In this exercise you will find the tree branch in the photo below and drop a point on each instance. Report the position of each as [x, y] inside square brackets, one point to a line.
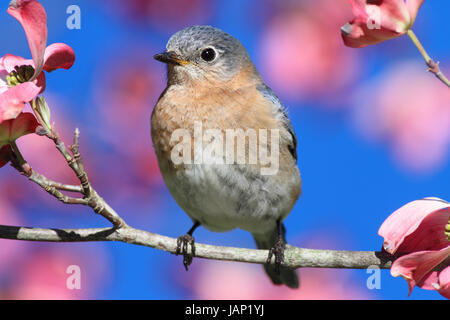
[73, 158]
[295, 257]
[51, 187]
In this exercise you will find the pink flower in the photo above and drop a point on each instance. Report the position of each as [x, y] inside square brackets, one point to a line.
[13, 129]
[416, 232]
[5, 152]
[21, 80]
[379, 20]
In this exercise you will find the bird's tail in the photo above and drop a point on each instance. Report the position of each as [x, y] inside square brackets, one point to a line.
[286, 276]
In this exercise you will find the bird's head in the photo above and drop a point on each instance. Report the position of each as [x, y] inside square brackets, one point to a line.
[204, 53]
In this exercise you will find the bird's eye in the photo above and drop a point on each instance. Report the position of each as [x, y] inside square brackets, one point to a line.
[208, 54]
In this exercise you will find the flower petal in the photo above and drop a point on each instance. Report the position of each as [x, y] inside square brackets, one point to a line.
[358, 35]
[437, 280]
[359, 9]
[406, 220]
[10, 62]
[4, 155]
[3, 75]
[13, 100]
[413, 7]
[429, 235]
[2, 65]
[377, 21]
[58, 55]
[13, 129]
[444, 282]
[393, 15]
[430, 281]
[33, 18]
[40, 82]
[414, 267]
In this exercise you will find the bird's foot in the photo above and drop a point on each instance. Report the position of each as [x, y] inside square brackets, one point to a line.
[182, 248]
[278, 251]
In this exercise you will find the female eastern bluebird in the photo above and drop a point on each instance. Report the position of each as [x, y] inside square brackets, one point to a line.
[213, 83]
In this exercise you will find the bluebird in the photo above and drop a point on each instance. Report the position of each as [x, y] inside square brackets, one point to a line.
[212, 81]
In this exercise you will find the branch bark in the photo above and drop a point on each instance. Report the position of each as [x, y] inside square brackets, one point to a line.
[295, 257]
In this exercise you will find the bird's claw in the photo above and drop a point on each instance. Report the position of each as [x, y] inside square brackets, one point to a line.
[278, 251]
[182, 248]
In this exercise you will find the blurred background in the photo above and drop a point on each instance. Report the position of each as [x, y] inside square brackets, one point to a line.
[373, 129]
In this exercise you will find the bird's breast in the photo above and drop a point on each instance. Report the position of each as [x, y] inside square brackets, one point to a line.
[189, 133]
[181, 111]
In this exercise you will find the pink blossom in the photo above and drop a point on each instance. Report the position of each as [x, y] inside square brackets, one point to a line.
[377, 21]
[5, 152]
[21, 80]
[416, 232]
[13, 129]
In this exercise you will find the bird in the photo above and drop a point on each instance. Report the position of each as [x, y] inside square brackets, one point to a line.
[213, 87]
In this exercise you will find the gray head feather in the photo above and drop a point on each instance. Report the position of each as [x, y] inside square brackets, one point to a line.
[230, 53]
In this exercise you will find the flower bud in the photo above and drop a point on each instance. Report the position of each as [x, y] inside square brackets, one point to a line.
[43, 112]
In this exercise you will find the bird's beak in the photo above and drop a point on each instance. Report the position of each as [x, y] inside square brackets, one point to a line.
[170, 57]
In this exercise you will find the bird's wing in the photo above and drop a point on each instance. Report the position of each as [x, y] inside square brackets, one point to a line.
[269, 94]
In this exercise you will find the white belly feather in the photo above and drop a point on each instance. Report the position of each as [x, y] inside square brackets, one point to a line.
[223, 197]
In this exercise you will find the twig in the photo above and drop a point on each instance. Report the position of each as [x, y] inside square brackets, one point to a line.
[433, 67]
[294, 257]
[81, 173]
[90, 196]
[49, 186]
[24, 168]
[64, 187]
[93, 200]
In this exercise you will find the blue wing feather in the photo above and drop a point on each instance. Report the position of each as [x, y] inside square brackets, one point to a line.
[269, 94]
